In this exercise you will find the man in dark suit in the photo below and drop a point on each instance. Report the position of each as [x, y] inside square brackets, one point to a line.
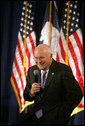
[53, 103]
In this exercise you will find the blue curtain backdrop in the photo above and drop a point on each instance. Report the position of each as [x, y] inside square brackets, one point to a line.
[9, 30]
[10, 20]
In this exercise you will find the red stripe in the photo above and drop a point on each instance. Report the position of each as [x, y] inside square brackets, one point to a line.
[32, 43]
[57, 58]
[21, 56]
[78, 42]
[19, 72]
[27, 49]
[78, 74]
[20, 51]
[28, 55]
[16, 85]
[62, 49]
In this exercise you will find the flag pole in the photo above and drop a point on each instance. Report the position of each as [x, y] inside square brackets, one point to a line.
[67, 34]
[50, 27]
[24, 58]
[77, 109]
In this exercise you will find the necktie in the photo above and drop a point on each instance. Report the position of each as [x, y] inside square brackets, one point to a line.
[43, 79]
[39, 113]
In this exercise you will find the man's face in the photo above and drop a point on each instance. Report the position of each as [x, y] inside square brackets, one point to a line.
[42, 59]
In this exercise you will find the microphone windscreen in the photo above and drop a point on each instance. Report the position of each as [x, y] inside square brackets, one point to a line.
[36, 72]
[36, 76]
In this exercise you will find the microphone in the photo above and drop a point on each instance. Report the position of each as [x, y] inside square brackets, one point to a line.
[36, 76]
[37, 80]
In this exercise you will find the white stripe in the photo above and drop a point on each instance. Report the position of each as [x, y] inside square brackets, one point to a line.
[63, 39]
[77, 52]
[34, 37]
[54, 40]
[63, 44]
[72, 65]
[29, 46]
[17, 80]
[20, 64]
[16, 75]
[60, 57]
[21, 69]
[26, 64]
[80, 36]
[69, 55]
[19, 59]
[21, 42]
[22, 49]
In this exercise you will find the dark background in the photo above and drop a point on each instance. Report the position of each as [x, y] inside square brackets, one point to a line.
[10, 19]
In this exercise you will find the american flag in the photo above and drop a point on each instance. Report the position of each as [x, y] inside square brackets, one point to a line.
[24, 53]
[50, 30]
[70, 48]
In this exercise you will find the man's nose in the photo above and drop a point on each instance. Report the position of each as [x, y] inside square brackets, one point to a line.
[38, 60]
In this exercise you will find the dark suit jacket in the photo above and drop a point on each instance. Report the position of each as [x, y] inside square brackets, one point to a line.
[61, 94]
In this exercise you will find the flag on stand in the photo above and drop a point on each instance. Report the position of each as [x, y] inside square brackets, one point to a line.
[70, 48]
[24, 53]
[50, 31]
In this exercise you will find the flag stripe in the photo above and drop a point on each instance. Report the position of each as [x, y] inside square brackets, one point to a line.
[78, 73]
[19, 67]
[75, 62]
[19, 55]
[71, 64]
[16, 75]
[57, 58]
[19, 71]
[20, 51]
[76, 36]
[75, 43]
[31, 47]
[62, 49]
[18, 78]
[32, 42]
[18, 81]
[76, 49]
[28, 56]
[16, 89]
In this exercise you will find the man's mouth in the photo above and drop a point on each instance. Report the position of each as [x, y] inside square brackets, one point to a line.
[41, 64]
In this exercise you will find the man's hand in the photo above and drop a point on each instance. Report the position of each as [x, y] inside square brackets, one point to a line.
[35, 88]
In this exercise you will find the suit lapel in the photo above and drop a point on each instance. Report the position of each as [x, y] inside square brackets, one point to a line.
[49, 78]
[51, 74]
